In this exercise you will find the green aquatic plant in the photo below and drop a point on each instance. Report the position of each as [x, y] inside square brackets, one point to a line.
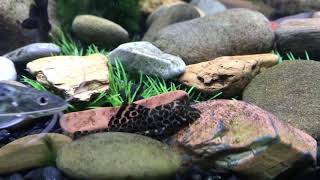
[124, 12]
[71, 47]
[291, 57]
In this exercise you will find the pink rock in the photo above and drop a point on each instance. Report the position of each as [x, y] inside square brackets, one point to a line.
[244, 138]
[274, 25]
[99, 118]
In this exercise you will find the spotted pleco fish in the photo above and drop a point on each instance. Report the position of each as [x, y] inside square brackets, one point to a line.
[160, 122]
[18, 104]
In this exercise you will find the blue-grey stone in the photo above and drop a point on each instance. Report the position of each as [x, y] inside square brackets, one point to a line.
[7, 70]
[146, 58]
[33, 51]
[47, 173]
[209, 7]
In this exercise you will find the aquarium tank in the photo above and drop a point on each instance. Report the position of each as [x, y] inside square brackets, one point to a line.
[159, 89]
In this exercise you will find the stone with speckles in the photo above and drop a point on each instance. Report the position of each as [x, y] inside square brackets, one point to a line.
[242, 137]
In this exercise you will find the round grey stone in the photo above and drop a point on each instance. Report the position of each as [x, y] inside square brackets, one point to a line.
[147, 59]
[117, 156]
[231, 32]
[291, 92]
[99, 31]
[170, 15]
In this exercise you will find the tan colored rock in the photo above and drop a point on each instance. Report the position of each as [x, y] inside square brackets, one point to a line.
[29, 152]
[229, 74]
[99, 118]
[148, 6]
[244, 138]
[80, 77]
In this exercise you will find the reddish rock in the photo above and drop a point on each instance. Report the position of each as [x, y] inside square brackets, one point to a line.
[274, 25]
[244, 138]
[99, 118]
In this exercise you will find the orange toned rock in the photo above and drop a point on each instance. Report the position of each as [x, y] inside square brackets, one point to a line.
[228, 74]
[99, 118]
[241, 137]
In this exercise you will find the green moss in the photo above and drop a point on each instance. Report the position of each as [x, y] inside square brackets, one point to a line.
[124, 12]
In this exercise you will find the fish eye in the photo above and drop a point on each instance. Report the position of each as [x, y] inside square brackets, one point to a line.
[42, 101]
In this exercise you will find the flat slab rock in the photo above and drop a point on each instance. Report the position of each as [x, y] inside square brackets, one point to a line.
[76, 76]
[99, 118]
[244, 138]
[228, 74]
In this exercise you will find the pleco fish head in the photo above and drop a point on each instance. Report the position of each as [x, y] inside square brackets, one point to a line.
[23, 101]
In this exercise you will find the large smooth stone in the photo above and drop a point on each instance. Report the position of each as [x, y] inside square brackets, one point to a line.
[7, 70]
[229, 74]
[117, 156]
[100, 31]
[222, 34]
[99, 118]
[12, 14]
[30, 152]
[33, 51]
[146, 58]
[299, 36]
[244, 138]
[169, 15]
[76, 76]
[291, 92]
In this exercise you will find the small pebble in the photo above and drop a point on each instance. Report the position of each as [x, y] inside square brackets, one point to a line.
[47, 173]
[7, 70]
[15, 176]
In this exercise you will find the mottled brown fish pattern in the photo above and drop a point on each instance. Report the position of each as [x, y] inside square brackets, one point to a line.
[160, 122]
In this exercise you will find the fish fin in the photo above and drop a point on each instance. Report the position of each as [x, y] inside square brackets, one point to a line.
[30, 23]
[6, 122]
[42, 7]
[34, 11]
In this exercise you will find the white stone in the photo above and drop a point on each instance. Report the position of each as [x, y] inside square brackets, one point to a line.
[146, 58]
[7, 70]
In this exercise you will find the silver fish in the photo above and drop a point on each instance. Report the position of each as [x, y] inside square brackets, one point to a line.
[18, 104]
